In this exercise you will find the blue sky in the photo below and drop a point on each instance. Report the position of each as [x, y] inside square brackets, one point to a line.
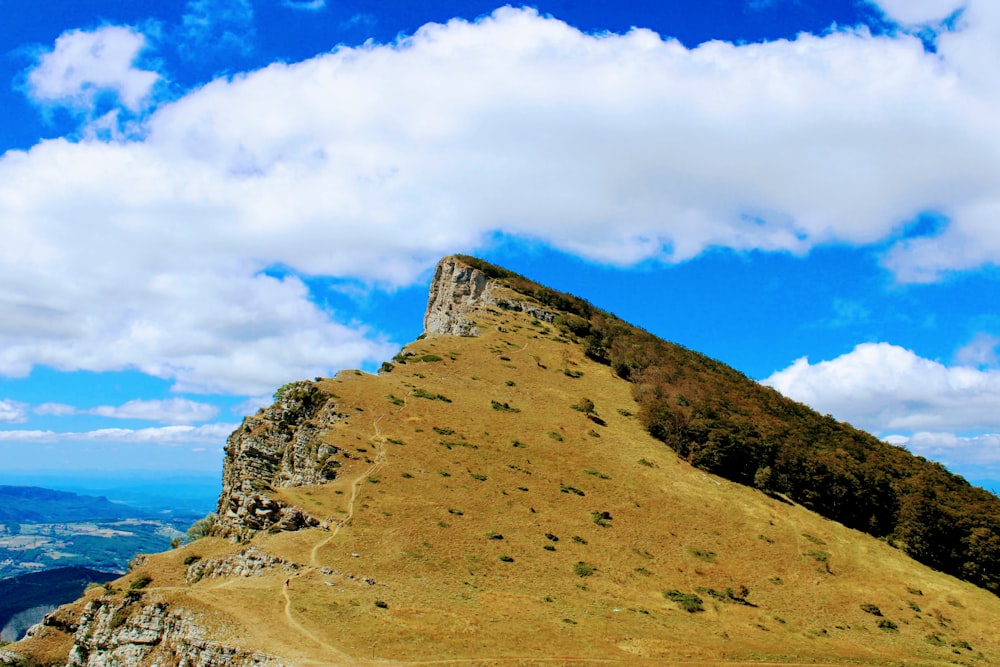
[203, 200]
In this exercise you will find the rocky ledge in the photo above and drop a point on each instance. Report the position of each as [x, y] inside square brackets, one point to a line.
[279, 447]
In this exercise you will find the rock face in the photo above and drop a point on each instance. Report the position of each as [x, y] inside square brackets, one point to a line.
[278, 447]
[130, 633]
[458, 289]
[248, 563]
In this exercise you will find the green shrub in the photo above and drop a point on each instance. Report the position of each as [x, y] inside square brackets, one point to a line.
[395, 400]
[689, 602]
[506, 559]
[548, 547]
[476, 476]
[140, 582]
[503, 407]
[579, 540]
[565, 488]
[602, 519]
[430, 358]
[555, 436]
[202, 527]
[702, 554]
[191, 559]
[381, 604]
[518, 443]
[887, 625]
[494, 536]
[584, 569]
[869, 608]
[594, 473]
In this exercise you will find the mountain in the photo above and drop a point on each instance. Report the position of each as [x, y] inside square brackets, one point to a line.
[44, 529]
[31, 504]
[24, 600]
[534, 481]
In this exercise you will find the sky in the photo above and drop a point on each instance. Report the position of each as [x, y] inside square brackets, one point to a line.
[203, 200]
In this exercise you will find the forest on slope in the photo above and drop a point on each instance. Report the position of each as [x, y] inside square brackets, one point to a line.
[725, 423]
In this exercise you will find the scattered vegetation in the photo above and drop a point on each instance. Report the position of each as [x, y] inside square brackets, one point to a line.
[869, 608]
[725, 423]
[565, 488]
[423, 393]
[503, 407]
[702, 554]
[584, 569]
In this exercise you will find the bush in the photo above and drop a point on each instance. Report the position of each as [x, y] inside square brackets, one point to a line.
[140, 582]
[871, 609]
[689, 602]
[888, 626]
[506, 559]
[202, 527]
[584, 569]
[191, 559]
[602, 519]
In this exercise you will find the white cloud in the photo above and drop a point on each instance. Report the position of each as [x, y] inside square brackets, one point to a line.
[85, 64]
[12, 412]
[212, 434]
[371, 163]
[305, 5]
[914, 12]
[55, 410]
[217, 26]
[976, 456]
[171, 411]
[980, 351]
[885, 388]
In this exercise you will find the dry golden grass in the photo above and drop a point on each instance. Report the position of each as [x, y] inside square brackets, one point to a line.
[471, 514]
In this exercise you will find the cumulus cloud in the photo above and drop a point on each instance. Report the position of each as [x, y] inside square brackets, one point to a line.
[980, 351]
[370, 163]
[973, 456]
[914, 12]
[85, 64]
[211, 434]
[885, 388]
[12, 412]
[171, 411]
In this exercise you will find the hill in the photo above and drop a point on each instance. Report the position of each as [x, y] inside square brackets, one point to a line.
[24, 600]
[535, 482]
[32, 504]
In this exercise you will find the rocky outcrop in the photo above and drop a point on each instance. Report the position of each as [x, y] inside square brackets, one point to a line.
[455, 291]
[128, 632]
[458, 290]
[248, 563]
[278, 447]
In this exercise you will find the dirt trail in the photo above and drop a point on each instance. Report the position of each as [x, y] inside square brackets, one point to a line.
[340, 655]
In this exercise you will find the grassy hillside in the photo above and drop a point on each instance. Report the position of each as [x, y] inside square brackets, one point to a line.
[722, 422]
[502, 502]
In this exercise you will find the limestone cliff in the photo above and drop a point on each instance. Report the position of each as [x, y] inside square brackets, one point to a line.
[278, 447]
[130, 632]
[459, 289]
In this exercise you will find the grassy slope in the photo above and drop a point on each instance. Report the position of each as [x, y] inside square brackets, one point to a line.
[420, 520]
